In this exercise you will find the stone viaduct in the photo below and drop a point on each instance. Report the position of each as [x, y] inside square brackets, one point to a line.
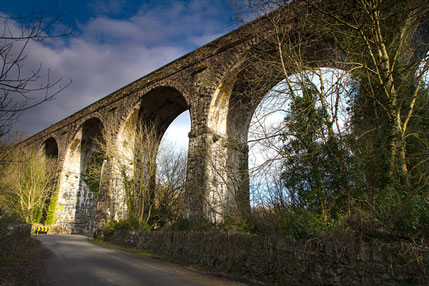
[209, 83]
[201, 82]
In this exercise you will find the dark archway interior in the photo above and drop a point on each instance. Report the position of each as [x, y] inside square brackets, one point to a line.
[87, 190]
[91, 137]
[160, 107]
[51, 148]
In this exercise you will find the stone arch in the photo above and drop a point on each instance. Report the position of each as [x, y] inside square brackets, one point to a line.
[50, 148]
[228, 120]
[161, 106]
[76, 201]
[158, 108]
[206, 192]
[50, 154]
[229, 117]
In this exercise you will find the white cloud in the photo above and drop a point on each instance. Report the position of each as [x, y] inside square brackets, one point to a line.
[103, 28]
[177, 133]
[108, 53]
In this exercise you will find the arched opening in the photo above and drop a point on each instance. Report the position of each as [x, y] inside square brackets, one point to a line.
[50, 148]
[50, 154]
[143, 196]
[80, 179]
[230, 113]
[297, 136]
[265, 95]
[171, 167]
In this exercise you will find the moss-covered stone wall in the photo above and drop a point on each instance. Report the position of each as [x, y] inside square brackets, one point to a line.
[324, 260]
[13, 237]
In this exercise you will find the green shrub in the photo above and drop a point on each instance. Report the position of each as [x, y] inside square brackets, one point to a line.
[52, 208]
[127, 224]
[401, 213]
[198, 223]
[299, 223]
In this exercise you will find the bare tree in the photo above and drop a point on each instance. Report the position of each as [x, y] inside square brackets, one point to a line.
[26, 184]
[146, 179]
[170, 184]
[23, 87]
[356, 134]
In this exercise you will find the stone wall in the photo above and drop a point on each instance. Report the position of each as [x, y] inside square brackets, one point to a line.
[328, 260]
[13, 238]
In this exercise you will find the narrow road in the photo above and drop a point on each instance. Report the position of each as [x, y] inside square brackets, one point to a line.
[79, 262]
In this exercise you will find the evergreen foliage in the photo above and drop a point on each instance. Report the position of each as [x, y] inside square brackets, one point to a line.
[370, 168]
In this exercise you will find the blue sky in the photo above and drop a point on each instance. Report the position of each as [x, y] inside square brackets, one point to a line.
[113, 43]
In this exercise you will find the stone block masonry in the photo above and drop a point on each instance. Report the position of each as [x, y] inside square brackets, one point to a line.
[191, 83]
[326, 260]
[13, 237]
[212, 83]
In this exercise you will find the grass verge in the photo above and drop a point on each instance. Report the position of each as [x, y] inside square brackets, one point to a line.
[165, 258]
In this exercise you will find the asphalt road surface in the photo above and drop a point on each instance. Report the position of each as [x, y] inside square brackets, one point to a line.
[75, 261]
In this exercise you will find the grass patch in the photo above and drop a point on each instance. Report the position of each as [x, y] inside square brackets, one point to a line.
[168, 258]
[147, 254]
[164, 258]
[192, 268]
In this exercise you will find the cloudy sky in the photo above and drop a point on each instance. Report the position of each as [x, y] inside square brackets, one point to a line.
[113, 43]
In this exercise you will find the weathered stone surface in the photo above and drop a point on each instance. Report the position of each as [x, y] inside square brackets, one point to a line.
[208, 83]
[193, 82]
[14, 237]
[329, 260]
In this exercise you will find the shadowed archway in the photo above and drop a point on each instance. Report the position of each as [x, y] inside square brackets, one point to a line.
[137, 143]
[77, 199]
